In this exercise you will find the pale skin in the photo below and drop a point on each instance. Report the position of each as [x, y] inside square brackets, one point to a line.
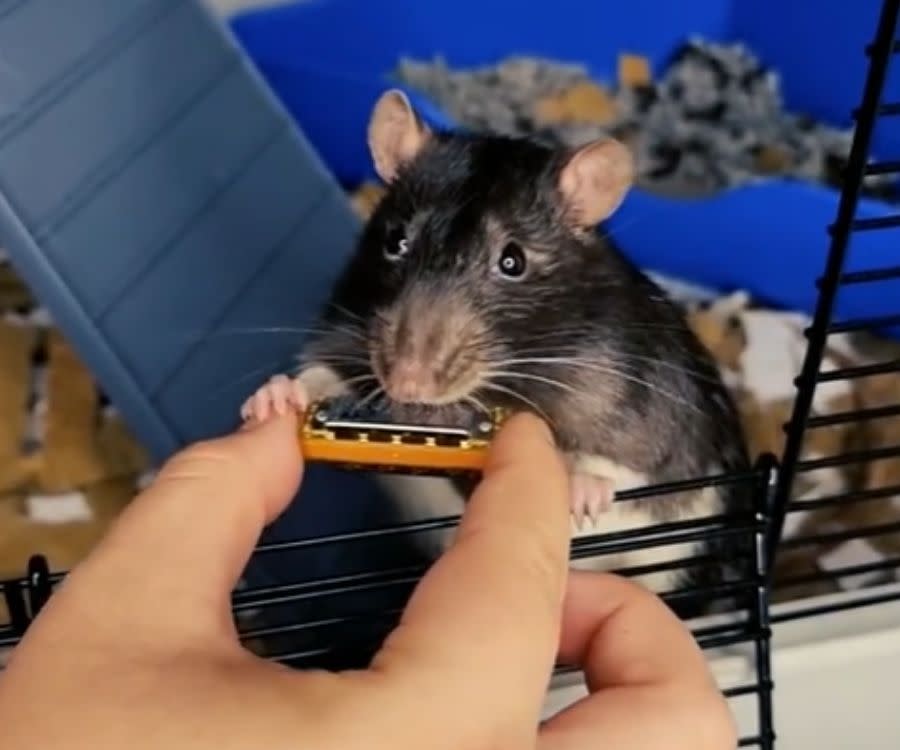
[138, 649]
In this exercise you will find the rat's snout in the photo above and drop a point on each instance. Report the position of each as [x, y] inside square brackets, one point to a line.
[427, 349]
[411, 380]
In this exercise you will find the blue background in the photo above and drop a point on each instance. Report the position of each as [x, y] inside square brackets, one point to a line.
[329, 61]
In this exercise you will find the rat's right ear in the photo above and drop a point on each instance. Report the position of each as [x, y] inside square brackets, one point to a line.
[595, 180]
[396, 134]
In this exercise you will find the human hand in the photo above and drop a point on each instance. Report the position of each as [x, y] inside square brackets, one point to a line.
[138, 648]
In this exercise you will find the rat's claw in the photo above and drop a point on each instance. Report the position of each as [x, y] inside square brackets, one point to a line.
[576, 500]
[300, 397]
[600, 497]
[280, 392]
[580, 500]
[590, 497]
[261, 404]
[278, 395]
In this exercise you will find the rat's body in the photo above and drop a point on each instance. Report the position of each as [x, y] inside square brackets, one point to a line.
[479, 280]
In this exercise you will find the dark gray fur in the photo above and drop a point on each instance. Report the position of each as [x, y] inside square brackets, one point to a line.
[652, 400]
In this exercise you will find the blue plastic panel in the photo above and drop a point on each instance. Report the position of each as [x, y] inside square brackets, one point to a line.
[769, 238]
[328, 64]
[171, 216]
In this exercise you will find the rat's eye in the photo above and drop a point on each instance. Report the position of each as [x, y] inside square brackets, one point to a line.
[396, 246]
[512, 261]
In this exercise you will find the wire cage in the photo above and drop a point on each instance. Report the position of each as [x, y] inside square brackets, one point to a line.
[871, 114]
[339, 621]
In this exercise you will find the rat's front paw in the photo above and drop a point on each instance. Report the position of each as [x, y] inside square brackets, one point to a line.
[589, 497]
[276, 397]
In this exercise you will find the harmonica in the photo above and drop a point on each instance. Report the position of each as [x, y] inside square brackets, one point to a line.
[340, 432]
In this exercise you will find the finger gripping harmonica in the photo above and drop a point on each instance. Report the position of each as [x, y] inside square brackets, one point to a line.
[339, 432]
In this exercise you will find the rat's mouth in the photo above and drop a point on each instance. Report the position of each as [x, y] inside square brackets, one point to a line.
[412, 381]
[458, 412]
[426, 389]
[428, 350]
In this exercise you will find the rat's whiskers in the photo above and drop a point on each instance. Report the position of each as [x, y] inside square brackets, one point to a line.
[491, 385]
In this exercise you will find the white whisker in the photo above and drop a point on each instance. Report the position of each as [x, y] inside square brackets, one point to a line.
[237, 381]
[355, 333]
[359, 379]
[326, 358]
[616, 373]
[588, 363]
[477, 404]
[372, 396]
[676, 368]
[490, 385]
[536, 378]
[349, 313]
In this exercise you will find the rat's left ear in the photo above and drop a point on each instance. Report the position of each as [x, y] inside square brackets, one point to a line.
[595, 180]
[396, 134]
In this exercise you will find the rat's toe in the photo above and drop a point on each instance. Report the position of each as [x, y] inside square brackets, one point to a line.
[590, 497]
[280, 392]
[600, 494]
[299, 395]
[249, 409]
[578, 499]
[261, 403]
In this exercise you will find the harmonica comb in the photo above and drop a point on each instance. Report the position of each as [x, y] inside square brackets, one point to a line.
[339, 431]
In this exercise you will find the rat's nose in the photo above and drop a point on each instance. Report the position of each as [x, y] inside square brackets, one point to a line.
[410, 381]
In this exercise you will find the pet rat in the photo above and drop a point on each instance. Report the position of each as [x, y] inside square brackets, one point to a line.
[480, 280]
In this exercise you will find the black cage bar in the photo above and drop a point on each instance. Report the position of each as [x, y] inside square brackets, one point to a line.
[870, 113]
[339, 620]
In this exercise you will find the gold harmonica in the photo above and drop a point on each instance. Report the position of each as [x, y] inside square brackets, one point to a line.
[338, 432]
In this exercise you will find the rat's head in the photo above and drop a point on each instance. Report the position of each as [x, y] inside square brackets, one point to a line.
[479, 248]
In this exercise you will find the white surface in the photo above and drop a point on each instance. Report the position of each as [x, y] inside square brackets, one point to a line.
[851, 553]
[835, 679]
[67, 507]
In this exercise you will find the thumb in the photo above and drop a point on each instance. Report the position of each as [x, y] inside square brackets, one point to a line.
[172, 558]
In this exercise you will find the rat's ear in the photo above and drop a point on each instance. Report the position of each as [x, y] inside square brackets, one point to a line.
[396, 134]
[595, 180]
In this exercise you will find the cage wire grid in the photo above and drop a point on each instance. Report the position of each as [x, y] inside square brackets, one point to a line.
[339, 621]
[871, 112]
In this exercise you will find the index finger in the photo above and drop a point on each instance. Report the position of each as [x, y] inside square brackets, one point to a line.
[491, 604]
[186, 539]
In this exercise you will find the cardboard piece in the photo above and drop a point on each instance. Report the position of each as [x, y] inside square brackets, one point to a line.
[635, 71]
[583, 103]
